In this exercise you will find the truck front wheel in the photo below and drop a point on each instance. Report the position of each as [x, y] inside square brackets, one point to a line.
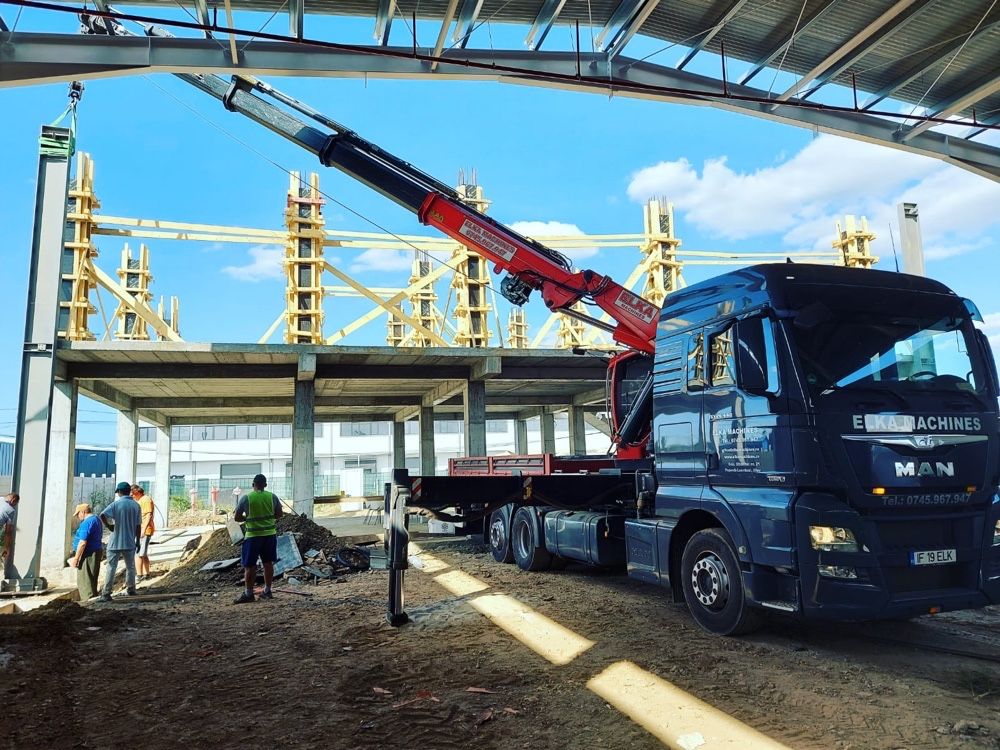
[713, 585]
[499, 536]
[529, 550]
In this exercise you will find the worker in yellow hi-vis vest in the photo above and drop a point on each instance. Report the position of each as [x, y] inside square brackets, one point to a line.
[260, 510]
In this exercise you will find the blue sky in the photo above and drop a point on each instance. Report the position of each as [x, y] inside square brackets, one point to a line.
[583, 160]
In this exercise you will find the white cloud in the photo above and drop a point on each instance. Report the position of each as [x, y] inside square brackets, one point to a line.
[265, 263]
[801, 199]
[991, 327]
[539, 230]
[383, 260]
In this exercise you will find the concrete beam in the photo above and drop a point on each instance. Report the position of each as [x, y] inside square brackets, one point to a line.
[597, 423]
[304, 448]
[486, 368]
[439, 394]
[595, 396]
[209, 403]
[105, 394]
[307, 367]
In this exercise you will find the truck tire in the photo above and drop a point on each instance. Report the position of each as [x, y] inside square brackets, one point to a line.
[529, 551]
[498, 535]
[713, 585]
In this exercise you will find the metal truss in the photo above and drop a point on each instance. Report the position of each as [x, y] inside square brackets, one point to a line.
[33, 58]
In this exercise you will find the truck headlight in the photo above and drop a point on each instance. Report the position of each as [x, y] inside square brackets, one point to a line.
[832, 539]
[996, 533]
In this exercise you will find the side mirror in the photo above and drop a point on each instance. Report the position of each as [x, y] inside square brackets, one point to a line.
[973, 311]
[756, 360]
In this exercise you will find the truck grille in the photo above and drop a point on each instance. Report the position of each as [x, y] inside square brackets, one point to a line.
[926, 578]
[941, 533]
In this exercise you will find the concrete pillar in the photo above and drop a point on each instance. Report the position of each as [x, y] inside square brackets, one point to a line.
[58, 525]
[428, 461]
[475, 418]
[303, 447]
[125, 447]
[398, 445]
[577, 431]
[38, 355]
[910, 240]
[521, 436]
[548, 420]
[161, 478]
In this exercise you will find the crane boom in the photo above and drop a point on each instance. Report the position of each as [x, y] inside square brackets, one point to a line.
[529, 264]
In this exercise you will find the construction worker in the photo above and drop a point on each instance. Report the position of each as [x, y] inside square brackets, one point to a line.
[146, 532]
[88, 550]
[260, 510]
[122, 518]
[8, 512]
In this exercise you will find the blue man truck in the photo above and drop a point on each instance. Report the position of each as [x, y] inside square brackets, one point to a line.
[811, 440]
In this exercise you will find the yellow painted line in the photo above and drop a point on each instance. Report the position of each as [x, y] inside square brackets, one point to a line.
[673, 716]
[545, 637]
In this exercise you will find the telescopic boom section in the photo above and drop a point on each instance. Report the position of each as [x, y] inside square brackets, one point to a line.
[530, 265]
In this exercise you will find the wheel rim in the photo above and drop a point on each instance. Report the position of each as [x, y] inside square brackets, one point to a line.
[524, 540]
[498, 536]
[710, 581]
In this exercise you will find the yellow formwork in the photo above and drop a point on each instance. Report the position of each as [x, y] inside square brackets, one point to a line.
[854, 243]
[304, 261]
[81, 217]
[517, 329]
[471, 281]
[134, 275]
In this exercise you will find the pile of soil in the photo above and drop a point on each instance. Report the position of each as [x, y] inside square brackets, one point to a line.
[216, 545]
[196, 518]
[309, 534]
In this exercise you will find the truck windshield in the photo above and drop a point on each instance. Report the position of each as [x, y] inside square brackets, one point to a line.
[907, 355]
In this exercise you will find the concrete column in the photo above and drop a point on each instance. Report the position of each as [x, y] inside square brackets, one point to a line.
[428, 461]
[521, 436]
[548, 421]
[577, 431]
[126, 444]
[31, 439]
[161, 478]
[910, 239]
[303, 447]
[57, 529]
[399, 445]
[475, 418]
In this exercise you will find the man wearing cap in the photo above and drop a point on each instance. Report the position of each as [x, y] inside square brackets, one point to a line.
[88, 551]
[122, 518]
[261, 510]
[8, 514]
[148, 529]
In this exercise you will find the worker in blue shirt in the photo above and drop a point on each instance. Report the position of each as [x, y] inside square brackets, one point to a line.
[88, 551]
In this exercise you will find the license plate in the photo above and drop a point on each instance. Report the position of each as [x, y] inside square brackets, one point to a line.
[933, 557]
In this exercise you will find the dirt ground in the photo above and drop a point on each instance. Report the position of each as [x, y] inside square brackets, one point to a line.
[326, 670]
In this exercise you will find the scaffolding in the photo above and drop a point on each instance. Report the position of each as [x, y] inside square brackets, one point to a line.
[663, 270]
[134, 277]
[75, 311]
[517, 328]
[471, 282]
[304, 262]
[854, 243]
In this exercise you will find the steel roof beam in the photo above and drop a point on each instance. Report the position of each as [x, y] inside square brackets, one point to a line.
[726, 17]
[449, 14]
[466, 22]
[3, 25]
[383, 20]
[973, 132]
[856, 40]
[626, 9]
[30, 59]
[901, 22]
[296, 16]
[978, 91]
[546, 17]
[944, 55]
[801, 29]
[626, 33]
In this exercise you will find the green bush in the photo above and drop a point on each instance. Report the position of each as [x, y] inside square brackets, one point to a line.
[99, 500]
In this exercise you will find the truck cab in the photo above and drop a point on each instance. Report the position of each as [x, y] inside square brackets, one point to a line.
[824, 444]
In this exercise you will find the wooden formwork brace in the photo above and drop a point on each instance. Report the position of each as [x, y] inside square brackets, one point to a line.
[173, 321]
[80, 217]
[304, 262]
[134, 276]
[662, 269]
[854, 243]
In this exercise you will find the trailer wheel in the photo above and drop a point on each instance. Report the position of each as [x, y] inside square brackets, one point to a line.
[529, 550]
[713, 585]
[499, 536]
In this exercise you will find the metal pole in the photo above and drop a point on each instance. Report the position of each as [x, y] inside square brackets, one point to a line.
[397, 493]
